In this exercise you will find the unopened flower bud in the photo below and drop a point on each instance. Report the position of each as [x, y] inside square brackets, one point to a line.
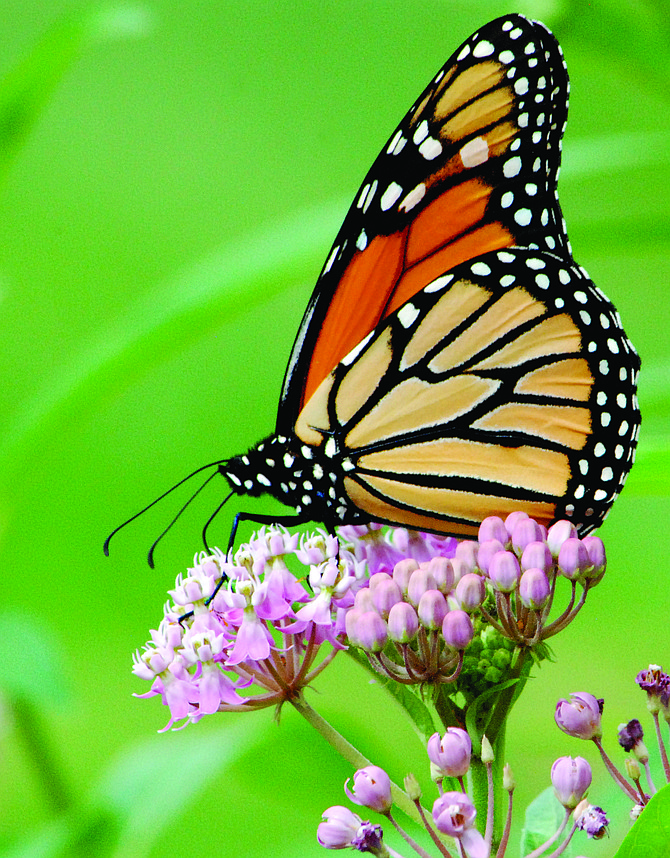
[368, 630]
[525, 531]
[573, 559]
[454, 814]
[457, 629]
[412, 787]
[470, 592]
[534, 589]
[487, 550]
[536, 555]
[558, 533]
[509, 784]
[596, 551]
[443, 572]
[403, 623]
[493, 527]
[580, 716]
[632, 768]
[467, 552]
[432, 609]
[487, 755]
[402, 572]
[385, 594]
[420, 581]
[512, 520]
[571, 778]
[504, 571]
[372, 789]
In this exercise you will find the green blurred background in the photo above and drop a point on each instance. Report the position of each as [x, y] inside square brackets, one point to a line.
[162, 221]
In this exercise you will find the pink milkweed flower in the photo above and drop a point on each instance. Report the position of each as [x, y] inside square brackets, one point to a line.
[580, 716]
[454, 814]
[450, 754]
[372, 789]
[339, 827]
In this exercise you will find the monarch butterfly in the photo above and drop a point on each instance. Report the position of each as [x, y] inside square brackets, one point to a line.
[454, 361]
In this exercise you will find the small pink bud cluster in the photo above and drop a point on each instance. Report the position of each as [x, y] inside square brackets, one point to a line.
[408, 609]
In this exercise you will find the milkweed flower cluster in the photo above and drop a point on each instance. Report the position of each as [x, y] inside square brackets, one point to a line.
[248, 630]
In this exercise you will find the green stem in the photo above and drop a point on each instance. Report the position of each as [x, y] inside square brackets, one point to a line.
[350, 753]
[479, 787]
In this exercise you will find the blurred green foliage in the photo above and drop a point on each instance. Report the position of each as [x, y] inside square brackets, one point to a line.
[167, 201]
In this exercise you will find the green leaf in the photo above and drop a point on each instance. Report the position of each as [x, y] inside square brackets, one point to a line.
[651, 833]
[543, 818]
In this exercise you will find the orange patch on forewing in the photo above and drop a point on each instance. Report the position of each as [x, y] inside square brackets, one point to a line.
[487, 110]
[473, 82]
[314, 416]
[450, 507]
[512, 309]
[357, 305]
[568, 379]
[553, 336]
[564, 424]
[363, 376]
[458, 303]
[415, 404]
[491, 236]
[447, 217]
[524, 467]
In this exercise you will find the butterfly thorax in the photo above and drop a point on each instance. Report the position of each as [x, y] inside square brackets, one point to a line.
[296, 474]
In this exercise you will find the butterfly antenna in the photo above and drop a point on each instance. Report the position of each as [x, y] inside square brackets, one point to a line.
[160, 498]
[211, 519]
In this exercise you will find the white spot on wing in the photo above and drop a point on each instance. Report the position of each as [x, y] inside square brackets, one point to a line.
[353, 354]
[413, 197]
[407, 315]
[474, 152]
[390, 196]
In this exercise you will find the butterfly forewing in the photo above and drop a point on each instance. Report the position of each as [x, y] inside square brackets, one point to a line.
[506, 384]
[471, 168]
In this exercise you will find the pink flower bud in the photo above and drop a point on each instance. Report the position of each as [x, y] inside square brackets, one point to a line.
[512, 520]
[370, 631]
[443, 572]
[486, 552]
[403, 623]
[339, 827]
[596, 551]
[467, 552]
[536, 555]
[573, 559]
[580, 716]
[385, 594]
[558, 533]
[432, 609]
[526, 530]
[470, 592]
[571, 777]
[363, 600]
[457, 629]
[421, 579]
[450, 755]
[372, 789]
[534, 588]
[504, 571]
[402, 572]
[492, 527]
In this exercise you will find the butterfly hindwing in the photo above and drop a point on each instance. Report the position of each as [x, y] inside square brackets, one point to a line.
[506, 383]
[471, 168]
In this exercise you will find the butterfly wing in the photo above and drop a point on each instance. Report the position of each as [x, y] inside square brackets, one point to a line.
[507, 383]
[471, 168]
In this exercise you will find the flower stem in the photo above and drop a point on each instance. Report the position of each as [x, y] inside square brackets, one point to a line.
[349, 752]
